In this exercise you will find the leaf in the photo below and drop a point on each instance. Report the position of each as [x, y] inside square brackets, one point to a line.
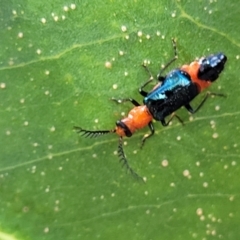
[60, 65]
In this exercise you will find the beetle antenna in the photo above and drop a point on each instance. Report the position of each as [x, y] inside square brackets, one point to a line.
[123, 159]
[91, 134]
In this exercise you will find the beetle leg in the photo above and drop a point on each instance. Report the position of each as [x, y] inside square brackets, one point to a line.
[150, 125]
[141, 91]
[159, 76]
[164, 123]
[134, 102]
[191, 110]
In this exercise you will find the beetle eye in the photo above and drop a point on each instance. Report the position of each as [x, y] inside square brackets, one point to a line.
[124, 127]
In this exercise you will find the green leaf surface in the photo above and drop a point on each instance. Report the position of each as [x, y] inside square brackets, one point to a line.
[60, 63]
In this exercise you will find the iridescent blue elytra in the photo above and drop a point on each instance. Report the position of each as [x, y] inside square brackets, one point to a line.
[173, 80]
[176, 90]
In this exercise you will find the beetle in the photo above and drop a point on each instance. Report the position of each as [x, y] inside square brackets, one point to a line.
[173, 91]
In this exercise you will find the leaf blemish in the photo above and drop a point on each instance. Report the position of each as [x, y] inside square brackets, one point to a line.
[73, 6]
[178, 138]
[165, 163]
[215, 135]
[43, 20]
[199, 211]
[47, 72]
[123, 28]
[186, 173]
[38, 51]
[108, 64]
[20, 35]
[205, 184]
[8, 132]
[2, 85]
[65, 8]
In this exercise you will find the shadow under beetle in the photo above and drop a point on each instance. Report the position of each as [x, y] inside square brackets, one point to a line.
[173, 91]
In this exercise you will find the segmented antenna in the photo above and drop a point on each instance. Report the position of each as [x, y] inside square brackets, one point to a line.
[91, 134]
[123, 159]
